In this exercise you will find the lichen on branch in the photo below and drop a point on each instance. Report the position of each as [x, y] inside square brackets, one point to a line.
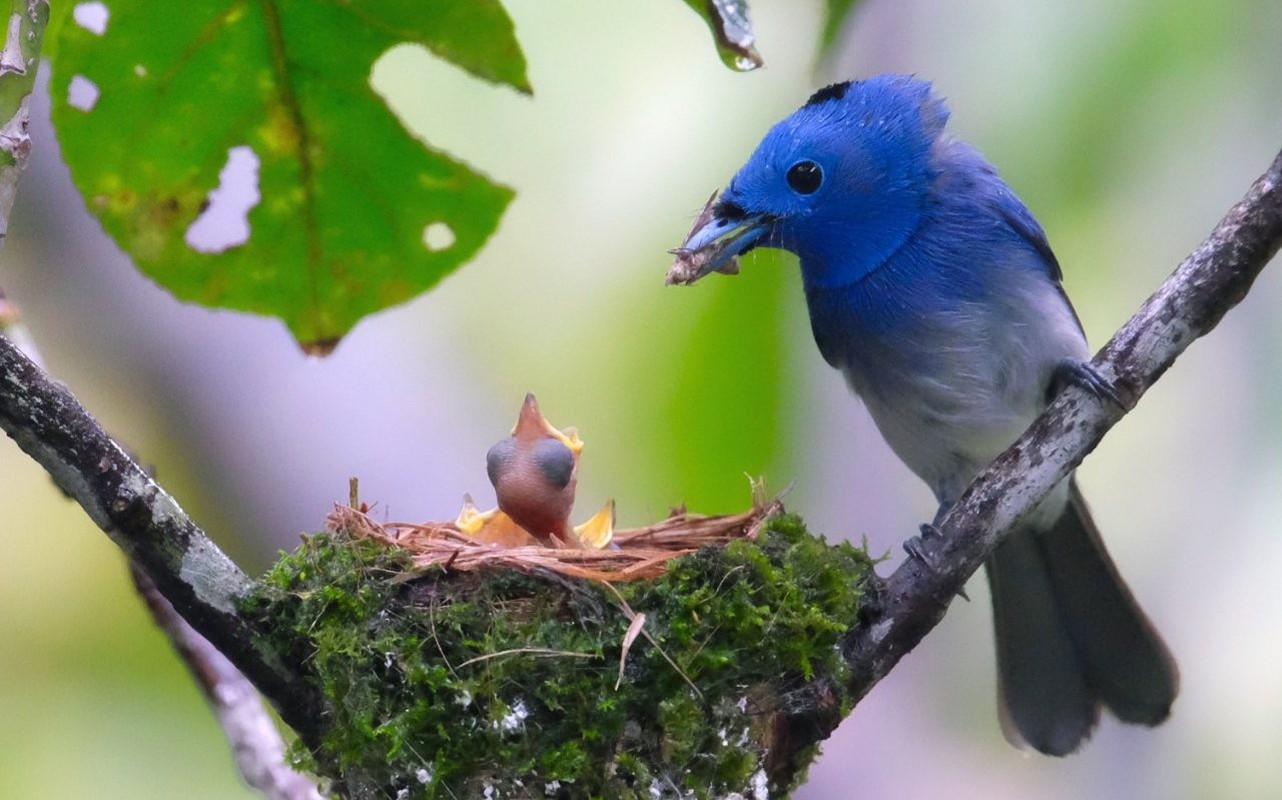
[23, 34]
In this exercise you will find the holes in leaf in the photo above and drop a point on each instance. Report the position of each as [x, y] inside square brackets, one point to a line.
[140, 70]
[82, 93]
[92, 17]
[224, 221]
[438, 236]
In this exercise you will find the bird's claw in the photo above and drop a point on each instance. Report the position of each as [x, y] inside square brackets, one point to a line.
[1086, 376]
[915, 546]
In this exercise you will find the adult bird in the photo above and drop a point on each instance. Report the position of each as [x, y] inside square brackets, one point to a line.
[932, 288]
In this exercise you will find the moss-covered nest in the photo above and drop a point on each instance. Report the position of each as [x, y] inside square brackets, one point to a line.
[500, 683]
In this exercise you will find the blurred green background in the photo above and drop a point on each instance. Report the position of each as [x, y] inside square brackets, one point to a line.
[1128, 128]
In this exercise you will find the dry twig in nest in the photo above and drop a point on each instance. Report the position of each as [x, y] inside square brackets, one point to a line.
[641, 553]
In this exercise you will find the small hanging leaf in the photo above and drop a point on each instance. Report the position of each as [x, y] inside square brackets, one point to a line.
[634, 630]
[835, 16]
[732, 31]
[257, 120]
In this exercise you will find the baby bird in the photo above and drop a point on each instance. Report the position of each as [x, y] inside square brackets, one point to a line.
[534, 472]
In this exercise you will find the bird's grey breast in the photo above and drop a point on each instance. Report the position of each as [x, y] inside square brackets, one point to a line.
[950, 381]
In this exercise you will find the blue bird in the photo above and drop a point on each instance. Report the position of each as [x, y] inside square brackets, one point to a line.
[932, 288]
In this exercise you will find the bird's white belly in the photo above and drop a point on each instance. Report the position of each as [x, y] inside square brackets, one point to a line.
[955, 391]
[944, 440]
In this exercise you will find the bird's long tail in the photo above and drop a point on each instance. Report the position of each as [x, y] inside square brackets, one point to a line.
[1070, 637]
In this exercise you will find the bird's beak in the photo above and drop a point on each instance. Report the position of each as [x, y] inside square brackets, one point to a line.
[715, 242]
[531, 424]
[471, 519]
[597, 532]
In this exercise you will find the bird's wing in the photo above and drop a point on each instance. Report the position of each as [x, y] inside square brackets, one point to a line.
[1015, 214]
[1021, 221]
[970, 173]
[1012, 211]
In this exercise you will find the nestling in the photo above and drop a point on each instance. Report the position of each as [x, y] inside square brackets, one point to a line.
[535, 471]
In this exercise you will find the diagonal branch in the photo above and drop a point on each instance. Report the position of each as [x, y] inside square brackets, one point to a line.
[161, 541]
[1210, 281]
[256, 744]
[203, 584]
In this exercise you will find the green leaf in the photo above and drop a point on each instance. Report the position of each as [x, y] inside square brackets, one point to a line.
[346, 193]
[835, 15]
[731, 30]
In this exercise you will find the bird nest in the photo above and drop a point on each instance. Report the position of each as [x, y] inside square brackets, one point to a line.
[635, 554]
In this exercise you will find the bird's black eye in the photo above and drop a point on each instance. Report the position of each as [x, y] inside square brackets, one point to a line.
[805, 177]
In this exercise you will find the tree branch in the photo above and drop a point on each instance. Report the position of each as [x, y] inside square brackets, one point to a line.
[24, 33]
[203, 584]
[49, 425]
[256, 744]
[1210, 281]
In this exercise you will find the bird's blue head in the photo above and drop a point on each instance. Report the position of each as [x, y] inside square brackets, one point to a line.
[842, 183]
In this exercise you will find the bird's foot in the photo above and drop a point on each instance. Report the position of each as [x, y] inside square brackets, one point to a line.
[915, 547]
[1084, 375]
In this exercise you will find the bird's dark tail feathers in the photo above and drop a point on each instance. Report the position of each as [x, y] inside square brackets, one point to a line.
[1070, 637]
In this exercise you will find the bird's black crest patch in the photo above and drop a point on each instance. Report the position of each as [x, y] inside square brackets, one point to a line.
[835, 91]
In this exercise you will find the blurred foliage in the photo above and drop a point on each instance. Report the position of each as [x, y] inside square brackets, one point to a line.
[1170, 42]
[838, 11]
[731, 30]
[347, 194]
[725, 412]
[736, 42]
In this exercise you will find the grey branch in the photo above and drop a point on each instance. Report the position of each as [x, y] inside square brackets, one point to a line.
[203, 584]
[24, 33]
[1210, 281]
[50, 425]
[256, 744]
